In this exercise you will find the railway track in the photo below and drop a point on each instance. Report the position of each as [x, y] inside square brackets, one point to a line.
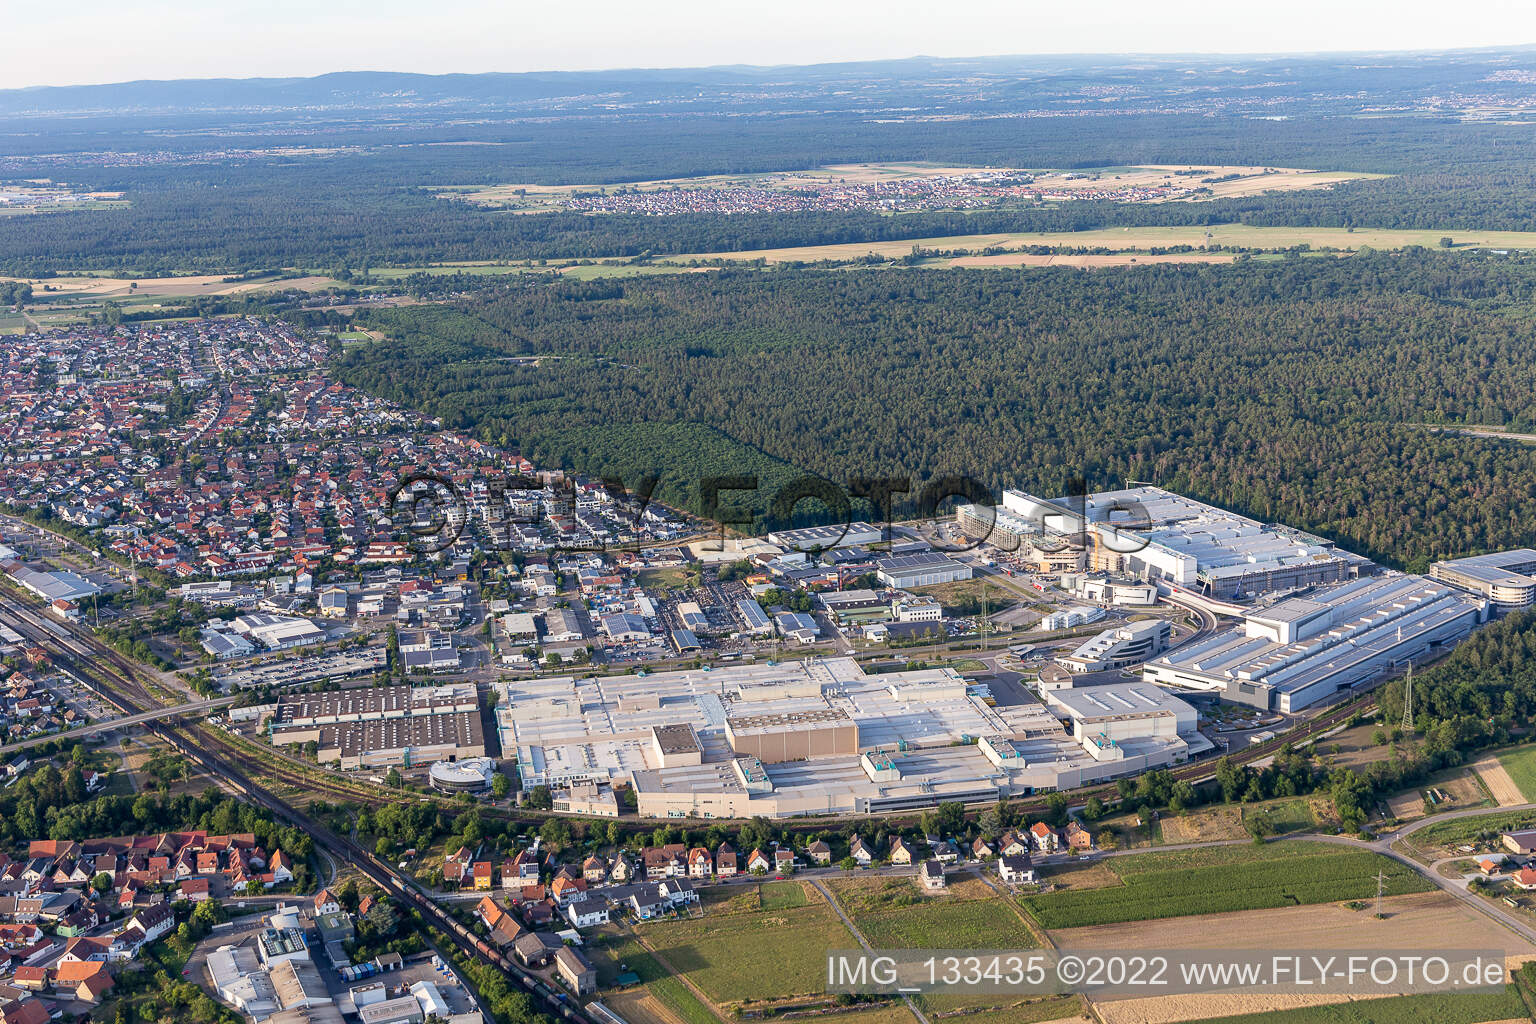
[85, 658]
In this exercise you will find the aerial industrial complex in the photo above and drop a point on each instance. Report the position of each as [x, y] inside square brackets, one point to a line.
[821, 736]
[1314, 619]
[382, 726]
[1505, 578]
[1153, 534]
[1299, 651]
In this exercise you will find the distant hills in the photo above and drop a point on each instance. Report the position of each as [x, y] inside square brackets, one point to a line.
[693, 88]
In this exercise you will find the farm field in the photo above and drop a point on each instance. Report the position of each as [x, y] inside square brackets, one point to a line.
[1459, 788]
[92, 287]
[1320, 927]
[1421, 1009]
[1027, 1010]
[942, 923]
[1520, 769]
[1317, 926]
[767, 955]
[1223, 879]
[661, 998]
[1239, 235]
[1321, 1009]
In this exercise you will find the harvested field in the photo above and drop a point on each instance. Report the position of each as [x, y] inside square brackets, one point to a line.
[1318, 926]
[1321, 926]
[1203, 826]
[206, 284]
[1096, 875]
[638, 1006]
[1520, 765]
[1434, 1008]
[1130, 239]
[1498, 780]
[1117, 259]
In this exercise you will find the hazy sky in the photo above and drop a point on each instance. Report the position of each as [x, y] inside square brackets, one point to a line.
[89, 41]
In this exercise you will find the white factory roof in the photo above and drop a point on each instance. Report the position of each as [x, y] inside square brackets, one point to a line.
[1112, 700]
[599, 727]
[1368, 617]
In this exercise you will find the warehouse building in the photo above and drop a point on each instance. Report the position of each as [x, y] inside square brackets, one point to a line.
[389, 742]
[813, 737]
[820, 538]
[376, 702]
[754, 619]
[1506, 578]
[798, 735]
[50, 586]
[924, 569]
[278, 632]
[854, 606]
[384, 725]
[1297, 652]
[1124, 712]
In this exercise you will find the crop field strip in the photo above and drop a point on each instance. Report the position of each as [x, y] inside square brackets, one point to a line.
[1224, 879]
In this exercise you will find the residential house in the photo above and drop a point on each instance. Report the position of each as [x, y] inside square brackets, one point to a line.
[325, 902]
[1044, 838]
[504, 931]
[565, 889]
[576, 970]
[860, 852]
[1077, 837]
[678, 892]
[31, 978]
[595, 870]
[193, 890]
[700, 864]
[281, 868]
[784, 860]
[647, 902]
[981, 849]
[456, 866]
[725, 861]
[931, 874]
[1016, 869]
[92, 949]
[758, 863]
[820, 852]
[88, 981]
[526, 863]
[587, 912]
[664, 861]
[1013, 844]
[901, 853]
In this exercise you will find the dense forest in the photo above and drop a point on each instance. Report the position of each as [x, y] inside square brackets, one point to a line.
[1296, 390]
[368, 198]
